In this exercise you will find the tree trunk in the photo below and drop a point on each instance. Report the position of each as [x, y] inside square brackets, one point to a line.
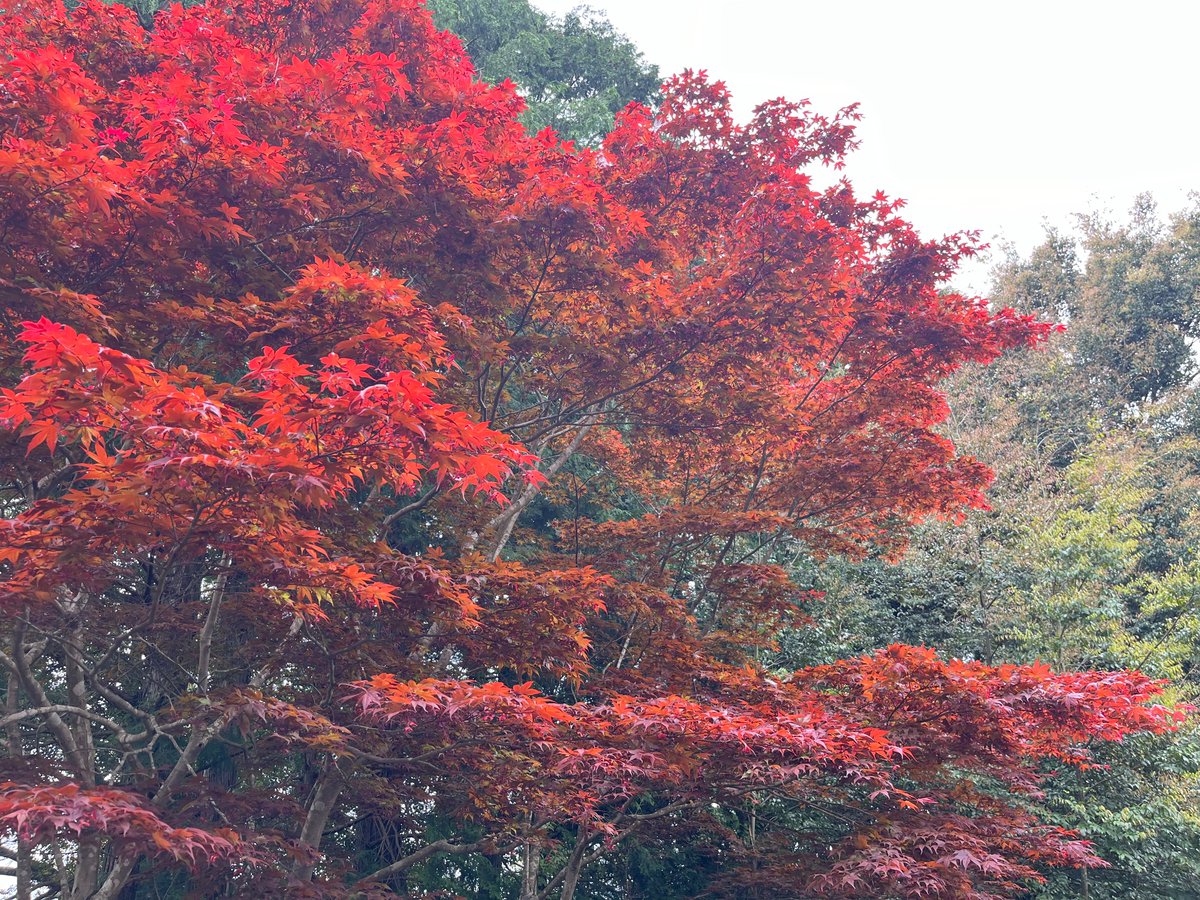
[575, 865]
[87, 870]
[24, 874]
[329, 787]
[531, 863]
[116, 880]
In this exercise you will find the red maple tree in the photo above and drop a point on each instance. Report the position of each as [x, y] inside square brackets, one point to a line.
[386, 484]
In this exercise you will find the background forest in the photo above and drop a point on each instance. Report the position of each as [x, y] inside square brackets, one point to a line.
[1084, 559]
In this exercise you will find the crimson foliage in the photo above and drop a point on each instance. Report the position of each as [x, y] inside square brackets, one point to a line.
[385, 484]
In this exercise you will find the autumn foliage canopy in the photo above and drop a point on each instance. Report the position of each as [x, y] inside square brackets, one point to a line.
[392, 495]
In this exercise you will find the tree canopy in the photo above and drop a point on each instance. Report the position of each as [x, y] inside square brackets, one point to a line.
[401, 502]
[575, 73]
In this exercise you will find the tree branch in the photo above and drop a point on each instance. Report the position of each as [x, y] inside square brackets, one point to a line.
[210, 626]
[507, 520]
[442, 846]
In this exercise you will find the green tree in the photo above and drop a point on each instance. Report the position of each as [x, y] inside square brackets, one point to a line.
[575, 72]
[1139, 312]
[1088, 557]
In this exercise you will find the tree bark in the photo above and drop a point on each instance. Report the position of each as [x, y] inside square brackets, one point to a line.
[87, 866]
[574, 866]
[329, 787]
[531, 862]
[504, 523]
[24, 867]
[210, 627]
[117, 877]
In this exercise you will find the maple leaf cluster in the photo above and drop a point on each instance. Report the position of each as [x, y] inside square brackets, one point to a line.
[376, 471]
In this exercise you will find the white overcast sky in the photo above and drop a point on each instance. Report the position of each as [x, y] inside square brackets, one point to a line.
[991, 116]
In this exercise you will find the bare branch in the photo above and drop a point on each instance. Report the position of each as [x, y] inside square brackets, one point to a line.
[420, 503]
[507, 520]
[442, 846]
[18, 664]
[210, 625]
[63, 709]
